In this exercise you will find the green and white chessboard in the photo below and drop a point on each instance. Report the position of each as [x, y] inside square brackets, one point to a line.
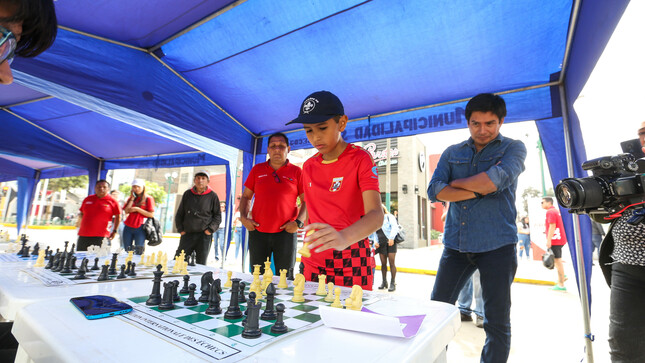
[51, 278]
[213, 337]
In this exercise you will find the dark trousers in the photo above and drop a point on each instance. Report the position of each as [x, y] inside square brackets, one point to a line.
[281, 245]
[199, 242]
[497, 270]
[84, 242]
[627, 313]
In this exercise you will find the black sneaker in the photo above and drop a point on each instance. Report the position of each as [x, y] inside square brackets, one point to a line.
[466, 317]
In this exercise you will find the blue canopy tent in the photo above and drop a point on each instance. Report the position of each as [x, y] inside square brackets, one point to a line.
[212, 73]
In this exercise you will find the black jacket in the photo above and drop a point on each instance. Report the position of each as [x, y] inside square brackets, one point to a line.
[198, 212]
[153, 232]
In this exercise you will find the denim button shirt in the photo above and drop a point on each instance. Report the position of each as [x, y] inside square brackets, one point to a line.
[390, 228]
[487, 223]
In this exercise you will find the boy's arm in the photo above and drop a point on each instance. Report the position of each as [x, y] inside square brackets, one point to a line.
[326, 237]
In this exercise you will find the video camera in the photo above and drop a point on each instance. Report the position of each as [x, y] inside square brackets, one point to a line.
[616, 182]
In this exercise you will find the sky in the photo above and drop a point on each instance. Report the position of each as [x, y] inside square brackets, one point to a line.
[610, 106]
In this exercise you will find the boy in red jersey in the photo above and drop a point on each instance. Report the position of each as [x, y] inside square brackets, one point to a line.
[342, 196]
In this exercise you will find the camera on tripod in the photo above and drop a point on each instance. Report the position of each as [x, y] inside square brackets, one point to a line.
[616, 182]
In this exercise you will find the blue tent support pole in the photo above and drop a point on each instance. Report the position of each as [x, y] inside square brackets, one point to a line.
[582, 277]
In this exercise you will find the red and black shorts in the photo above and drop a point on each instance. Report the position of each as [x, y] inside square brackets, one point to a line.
[349, 267]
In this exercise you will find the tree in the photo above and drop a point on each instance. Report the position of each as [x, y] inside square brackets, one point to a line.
[529, 192]
[68, 183]
[153, 189]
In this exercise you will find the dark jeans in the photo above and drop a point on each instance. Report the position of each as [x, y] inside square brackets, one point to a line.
[281, 245]
[84, 242]
[497, 270]
[627, 313]
[199, 242]
[136, 235]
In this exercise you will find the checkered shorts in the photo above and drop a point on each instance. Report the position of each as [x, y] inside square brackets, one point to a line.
[349, 267]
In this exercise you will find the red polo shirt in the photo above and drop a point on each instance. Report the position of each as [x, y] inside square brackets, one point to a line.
[97, 213]
[553, 216]
[275, 195]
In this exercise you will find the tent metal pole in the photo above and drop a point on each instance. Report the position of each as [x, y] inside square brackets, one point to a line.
[102, 38]
[582, 286]
[572, 27]
[197, 24]
[28, 102]
[49, 132]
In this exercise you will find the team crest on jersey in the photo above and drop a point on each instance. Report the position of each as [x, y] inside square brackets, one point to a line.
[336, 183]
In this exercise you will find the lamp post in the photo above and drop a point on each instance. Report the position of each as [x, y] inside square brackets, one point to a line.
[170, 179]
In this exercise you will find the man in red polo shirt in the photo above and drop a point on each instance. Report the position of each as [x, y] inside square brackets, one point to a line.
[555, 238]
[274, 219]
[95, 214]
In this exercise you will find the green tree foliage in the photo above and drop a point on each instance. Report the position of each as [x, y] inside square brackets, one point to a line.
[529, 192]
[68, 183]
[153, 189]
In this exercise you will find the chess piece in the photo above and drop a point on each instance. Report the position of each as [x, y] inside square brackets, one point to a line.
[184, 268]
[104, 273]
[122, 274]
[282, 284]
[184, 289]
[269, 311]
[40, 262]
[214, 300]
[304, 251]
[166, 300]
[228, 282]
[298, 288]
[155, 296]
[233, 311]
[191, 260]
[127, 269]
[252, 326]
[68, 262]
[330, 292]
[132, 273]
[191, 301]
[175, 295]
[241, 297]
[73, 263]
[112, 269]
[80, 274]
[50, 263]
[96, 264]
[207, 279]
[321, 285]
[36, 249]
[279, 327]
[73, 249]
[337, 303]
[355, 300]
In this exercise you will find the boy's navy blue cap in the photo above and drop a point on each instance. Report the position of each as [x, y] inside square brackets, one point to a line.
[318, 107]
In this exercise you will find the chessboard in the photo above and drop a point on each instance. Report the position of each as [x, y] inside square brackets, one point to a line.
[213, 337]
[52, 278]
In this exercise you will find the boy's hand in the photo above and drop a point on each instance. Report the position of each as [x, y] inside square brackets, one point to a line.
[249, 223]
[324, 238]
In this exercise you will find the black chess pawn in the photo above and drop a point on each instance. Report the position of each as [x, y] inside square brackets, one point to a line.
[241, 298]
[191, 259]
[166, 300]
[133, 273]
[184, 289]
[36, 249]
[191, 301]
[96, 264]
[127, 269]
[279, 327]
[250, 302]
[252, 326]
[104, 273]
[214, 300]
[155, 296]
[233, 311]
[175, 295]
[269, 311]
[50, 264]
[122, 274]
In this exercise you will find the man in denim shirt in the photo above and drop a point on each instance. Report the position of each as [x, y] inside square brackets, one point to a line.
[479, 178]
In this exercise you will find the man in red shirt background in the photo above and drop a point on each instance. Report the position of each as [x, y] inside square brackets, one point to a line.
[555, 238]
[95, 214]
[274, 219]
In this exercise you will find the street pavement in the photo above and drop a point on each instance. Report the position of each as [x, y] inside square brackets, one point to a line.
[547, 326]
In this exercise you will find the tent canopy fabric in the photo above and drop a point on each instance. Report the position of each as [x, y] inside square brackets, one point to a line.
[215, 77]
